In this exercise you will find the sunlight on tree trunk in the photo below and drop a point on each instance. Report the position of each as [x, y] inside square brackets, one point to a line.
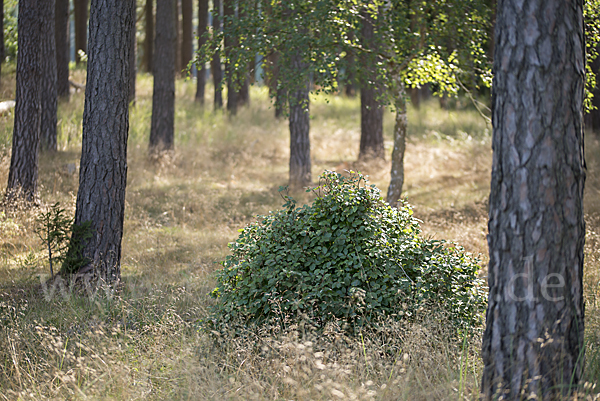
[397, 173]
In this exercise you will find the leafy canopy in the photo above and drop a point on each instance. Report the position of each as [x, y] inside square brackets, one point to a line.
[349, 258]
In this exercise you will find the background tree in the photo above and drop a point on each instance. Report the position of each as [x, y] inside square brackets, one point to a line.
[62, 48]
[187, 12]
[163, 95]
[202, 32]
[2, 52]
[231, 43]
[80, 8]
[48, 83]
[132, 55]
[371, 110]
[533, 341]
[215, 64]
[149, 38]
[103, 167]
[23, 173]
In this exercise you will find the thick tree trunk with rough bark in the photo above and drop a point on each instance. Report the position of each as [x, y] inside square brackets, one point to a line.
[81, 20]
[23, 172]
[215, 65]
[397, 173]
[187, 12]
[230, 42]
[103, 168]
[48, 82]
[149, 40]
[132, 55]
[299, 121]
[62, 49]
[533, 341]
[371, 111]
[163, 96]
[202, 29]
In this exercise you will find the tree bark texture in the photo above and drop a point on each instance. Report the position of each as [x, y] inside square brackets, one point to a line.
[81, 19]
[163, 96]
[202, 29]
[49, 76]
[371, 112]
[187, 12]
[400, 128]
[103, 168]
[533, 341]
[215, 64]
[230, 42]
[300, 164]
[23, 172]
[62, 49]
[149, 40]
[132, 55]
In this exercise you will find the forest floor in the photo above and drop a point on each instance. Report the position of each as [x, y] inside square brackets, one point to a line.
[182, 210]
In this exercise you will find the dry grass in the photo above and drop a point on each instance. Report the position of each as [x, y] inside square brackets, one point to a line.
[144, 342]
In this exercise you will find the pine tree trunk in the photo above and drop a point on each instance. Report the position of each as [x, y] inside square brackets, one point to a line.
[397, 173]
[371, 112]
[187, 12]
[275, 89]
[230, 42]
[178, 36]
[103, 168]
[81, 19]
[163, 96]
[62, 49]
[244, 92]
[49, 76]
[149, 40]
[533, 341]
[132, 55]
[215, 64]
[350, 87]
[23, 172]
[300, 164]
[202, 29]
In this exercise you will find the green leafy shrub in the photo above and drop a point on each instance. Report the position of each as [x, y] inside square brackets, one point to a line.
[348, 257]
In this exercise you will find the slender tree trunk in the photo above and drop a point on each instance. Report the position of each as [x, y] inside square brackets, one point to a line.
[202, 29]
[49, 76]
[2, 52]
[215, 65]
[397, 174]
[230, 42]
[300, 164]
[244, 92]
[533, 342]
[351, 72]
[23, 173]
[187, 12]
[276, 90]
[81, 19]
[149, 40]
[178, 36]
[163, 97]
[103, 171]
[132, 55]
[62, 49]
[371, 112]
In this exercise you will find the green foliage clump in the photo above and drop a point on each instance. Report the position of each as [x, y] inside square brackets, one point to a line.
[348, 258]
